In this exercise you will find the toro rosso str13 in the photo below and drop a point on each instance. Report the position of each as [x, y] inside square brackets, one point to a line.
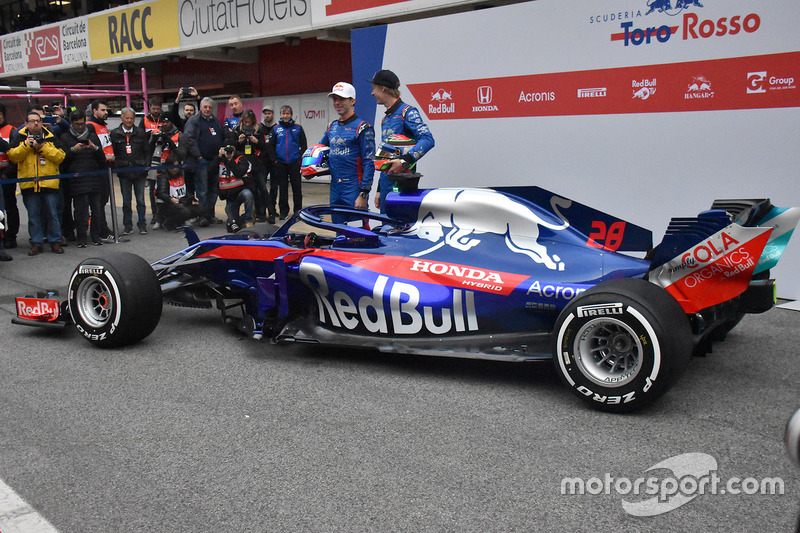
[517, 274]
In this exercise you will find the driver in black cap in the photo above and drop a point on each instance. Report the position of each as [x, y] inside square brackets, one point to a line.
[400, 119]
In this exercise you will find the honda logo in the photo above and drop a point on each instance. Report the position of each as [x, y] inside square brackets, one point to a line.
[485, 94]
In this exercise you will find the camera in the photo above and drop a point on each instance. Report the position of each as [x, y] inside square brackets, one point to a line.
[229, 150]
[186, 92]
[38, 138]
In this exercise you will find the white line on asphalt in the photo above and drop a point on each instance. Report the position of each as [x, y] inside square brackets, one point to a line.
[16, 516]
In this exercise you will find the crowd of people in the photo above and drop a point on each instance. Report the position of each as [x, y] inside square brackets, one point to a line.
[60, 160]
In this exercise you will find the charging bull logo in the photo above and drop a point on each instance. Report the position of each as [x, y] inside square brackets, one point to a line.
[441, 95]
[453, 217]
[665, 6]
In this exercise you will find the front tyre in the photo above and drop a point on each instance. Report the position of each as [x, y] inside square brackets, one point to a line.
[115, 300]
[622, 344]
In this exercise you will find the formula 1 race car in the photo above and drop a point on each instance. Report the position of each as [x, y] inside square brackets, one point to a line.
[517, 274]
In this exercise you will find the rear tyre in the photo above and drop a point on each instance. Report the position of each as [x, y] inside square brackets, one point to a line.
[115, 300]
[622, 344]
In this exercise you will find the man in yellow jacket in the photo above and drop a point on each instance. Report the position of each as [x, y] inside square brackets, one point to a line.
[37, 154]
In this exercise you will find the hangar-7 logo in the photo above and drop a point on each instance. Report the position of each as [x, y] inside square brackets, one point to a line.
[665, 6]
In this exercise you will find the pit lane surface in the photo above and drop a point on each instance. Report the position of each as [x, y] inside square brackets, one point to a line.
[201, 429]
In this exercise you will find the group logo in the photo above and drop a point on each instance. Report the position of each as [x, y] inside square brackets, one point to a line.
[761, 82]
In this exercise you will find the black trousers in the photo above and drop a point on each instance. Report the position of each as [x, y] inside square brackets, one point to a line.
[82, 203]
[12, 211]
[285, 174]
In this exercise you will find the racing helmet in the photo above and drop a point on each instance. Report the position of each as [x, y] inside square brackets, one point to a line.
[315, 161]
[393, 147]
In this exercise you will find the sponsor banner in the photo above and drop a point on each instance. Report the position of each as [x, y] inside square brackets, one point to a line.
[148, 27]
[758, 82]
[75, 41]
[715, 270]
[45, 47]
[201, 22]
[13, 49]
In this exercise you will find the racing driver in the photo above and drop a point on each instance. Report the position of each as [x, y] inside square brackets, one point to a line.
[400, 119]
[352, 144]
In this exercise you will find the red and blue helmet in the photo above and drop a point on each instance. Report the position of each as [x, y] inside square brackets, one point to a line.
[315, 161]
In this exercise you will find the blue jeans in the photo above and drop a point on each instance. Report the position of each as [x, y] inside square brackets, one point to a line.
[201, 180]
[205, 186]
[245, 197]
[126, 185]
[42, 209]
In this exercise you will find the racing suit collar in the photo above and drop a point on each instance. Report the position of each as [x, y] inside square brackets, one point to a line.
[348, 120]
[392, 108]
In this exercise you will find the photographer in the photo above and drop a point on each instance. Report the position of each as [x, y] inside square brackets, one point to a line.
[37, 154]
[176, 205]
[249, 139]
[85, 158]
[236, 187]
[189, 100]
[163, 142]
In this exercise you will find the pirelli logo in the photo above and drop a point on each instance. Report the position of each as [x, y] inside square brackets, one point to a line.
[599, 310]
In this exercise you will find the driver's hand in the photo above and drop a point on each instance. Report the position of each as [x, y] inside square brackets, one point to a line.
[396, 167]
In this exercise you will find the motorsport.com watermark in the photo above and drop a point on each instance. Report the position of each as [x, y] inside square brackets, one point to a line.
[693, 475]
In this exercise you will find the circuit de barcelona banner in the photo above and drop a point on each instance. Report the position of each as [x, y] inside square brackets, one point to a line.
[639, 104]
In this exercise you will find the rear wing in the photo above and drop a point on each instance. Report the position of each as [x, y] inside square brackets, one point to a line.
[712, 258]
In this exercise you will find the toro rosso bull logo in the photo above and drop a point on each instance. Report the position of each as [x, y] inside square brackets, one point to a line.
[665, 6]
[454, 217]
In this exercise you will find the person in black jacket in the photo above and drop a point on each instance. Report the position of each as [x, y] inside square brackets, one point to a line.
[176, 205]
[131, 150]
[86, 159]
[250, 139]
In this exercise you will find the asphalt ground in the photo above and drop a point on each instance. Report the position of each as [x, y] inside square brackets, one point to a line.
[199, 428]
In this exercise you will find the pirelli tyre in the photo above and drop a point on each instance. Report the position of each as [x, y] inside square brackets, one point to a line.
[115, 300]
[622, 344]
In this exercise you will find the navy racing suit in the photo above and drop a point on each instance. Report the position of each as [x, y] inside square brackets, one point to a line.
[404, 119]
[352, 143]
